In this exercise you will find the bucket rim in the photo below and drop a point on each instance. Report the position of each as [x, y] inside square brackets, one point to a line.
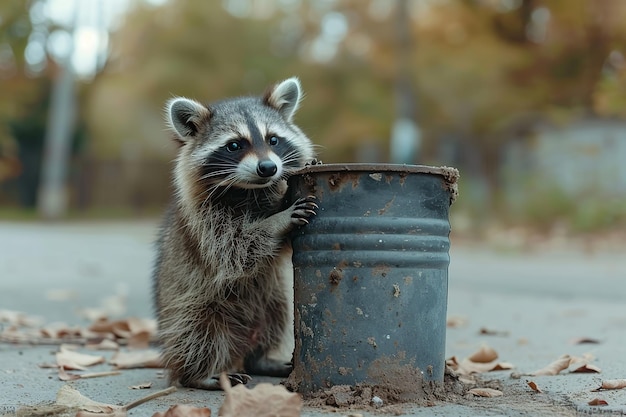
[450, 174]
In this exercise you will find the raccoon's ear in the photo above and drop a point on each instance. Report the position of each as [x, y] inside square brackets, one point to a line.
[186, 116]
[284, 97]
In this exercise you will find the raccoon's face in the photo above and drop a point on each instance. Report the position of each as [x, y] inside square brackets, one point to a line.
[246, 143]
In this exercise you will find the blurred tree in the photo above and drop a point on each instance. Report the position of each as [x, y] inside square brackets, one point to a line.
[482, 69]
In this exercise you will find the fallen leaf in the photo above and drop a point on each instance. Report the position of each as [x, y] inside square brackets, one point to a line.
[585, 358]
[611, 384]
[104, 344]
[552, 369]
[467, 366]
[485, 392]
[69, 400]
[18, 318]
[264, 400]
[140, 340]
[456, 321]
[59, 330]
[67, 376]
[137, 331]
[64, 376]
[70, 359]
[138, 359]
[72, 398]
[584, 340]
[484, 355]
[587, 369]
[533, 386]
[184, 411]
[598, 402]
[145, 385]
[491, 332]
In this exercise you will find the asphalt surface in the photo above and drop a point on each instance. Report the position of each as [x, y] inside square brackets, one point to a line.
[537, 302]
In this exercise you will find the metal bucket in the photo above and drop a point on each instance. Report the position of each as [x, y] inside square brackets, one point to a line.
[371, 276]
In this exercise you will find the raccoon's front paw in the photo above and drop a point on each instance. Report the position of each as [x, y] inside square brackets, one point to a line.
[302, 210]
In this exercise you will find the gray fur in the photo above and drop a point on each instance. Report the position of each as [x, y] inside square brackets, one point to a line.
[220, 282]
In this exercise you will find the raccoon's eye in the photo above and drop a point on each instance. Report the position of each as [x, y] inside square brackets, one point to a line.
[273, 140]
[233, 146]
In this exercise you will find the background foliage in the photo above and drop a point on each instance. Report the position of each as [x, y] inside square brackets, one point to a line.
[482, 74]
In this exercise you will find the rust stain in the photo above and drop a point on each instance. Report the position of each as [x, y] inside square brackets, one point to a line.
[408, 280]
[344, 371]
[389, 204]
[382, 270]
[388, 178]
[355, 180]
[334, 182]
[335, 276]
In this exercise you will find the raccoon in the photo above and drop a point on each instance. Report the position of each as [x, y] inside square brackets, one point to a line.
[223, 279]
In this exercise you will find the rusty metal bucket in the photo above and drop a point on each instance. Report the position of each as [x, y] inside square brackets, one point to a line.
[371, 276]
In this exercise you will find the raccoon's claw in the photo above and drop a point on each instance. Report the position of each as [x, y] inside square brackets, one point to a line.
[313, 161]
[304, 208]
[236, 379]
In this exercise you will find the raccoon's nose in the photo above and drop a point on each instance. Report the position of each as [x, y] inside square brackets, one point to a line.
[266, 168]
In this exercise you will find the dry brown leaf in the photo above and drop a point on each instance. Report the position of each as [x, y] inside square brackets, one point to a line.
[140, 340]
[584, 359]
[453, 362]
[612, 384]
[490, 332]
[138, 359]
[145, 385]
[70, 359]
[64, 376]
[533, 386]
[485, 392]
[467, 367]
[72, 398]
[456, 321]
[139, 331]
[598, 402]
[264, 400]
[104, 344]
[554, 368]
[18, 318]
[59, 330]
[484, 355]
[67, 376]
[587, 369]
[184, 411]
[584, 340]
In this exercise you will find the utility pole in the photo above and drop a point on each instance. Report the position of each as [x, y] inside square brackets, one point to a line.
[53, 194]
[405, 134]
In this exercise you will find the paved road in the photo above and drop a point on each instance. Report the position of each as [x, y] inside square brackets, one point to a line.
[541, 300]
